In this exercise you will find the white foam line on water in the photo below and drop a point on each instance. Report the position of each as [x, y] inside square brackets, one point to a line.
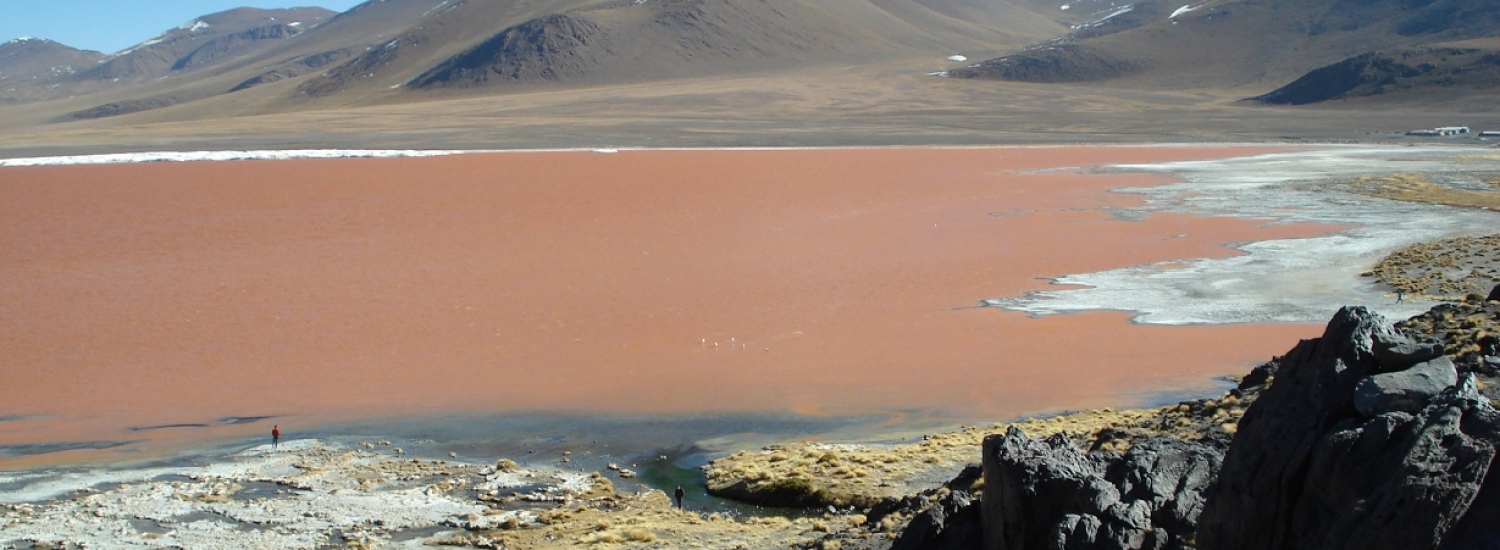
[194, 156]
[1290, 280]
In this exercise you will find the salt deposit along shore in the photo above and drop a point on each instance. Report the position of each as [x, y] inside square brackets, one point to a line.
[1017, 207]
[1284, 280]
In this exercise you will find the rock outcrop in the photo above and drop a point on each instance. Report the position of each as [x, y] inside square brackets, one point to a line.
[1355, 447]
[951, 523]
[1048, 494]
[1470, 334]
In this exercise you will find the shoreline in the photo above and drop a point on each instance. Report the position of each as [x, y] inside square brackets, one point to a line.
[361, 488]
[373, 493]
[511, 433]
[231, 155]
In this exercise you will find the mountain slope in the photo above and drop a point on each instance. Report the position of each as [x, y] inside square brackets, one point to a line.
[28, 64]
[393, 50]
[34, 57]
[1242, 43]
[1395, 74]
[205, 41]
[628, 41]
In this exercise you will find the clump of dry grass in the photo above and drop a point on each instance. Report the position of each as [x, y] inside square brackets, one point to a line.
[1450, 269]
[1416, 188]
[815, 474]
[650, 520]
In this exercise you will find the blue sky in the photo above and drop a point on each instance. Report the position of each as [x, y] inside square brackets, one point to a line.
[113, 25]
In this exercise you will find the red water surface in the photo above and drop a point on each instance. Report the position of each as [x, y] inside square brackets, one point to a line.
[815, 281]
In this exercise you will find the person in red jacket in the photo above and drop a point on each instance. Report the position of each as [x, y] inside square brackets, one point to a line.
[275, 436]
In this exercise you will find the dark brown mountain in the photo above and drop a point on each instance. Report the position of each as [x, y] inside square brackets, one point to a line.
[250, 48]
[346, 35]
[1238, 44]
[249, 61]
[1396, 74]
[600, 41]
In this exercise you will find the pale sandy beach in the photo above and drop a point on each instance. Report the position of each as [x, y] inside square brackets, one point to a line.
[823, 282]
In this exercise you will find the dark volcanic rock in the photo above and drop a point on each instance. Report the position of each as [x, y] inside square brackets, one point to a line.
[1468, 331]
[1405, 391]
[950, 524]
[1168, 475]
[1394, 351]
[1048, 494]
[1308, 470]
[1494, 295]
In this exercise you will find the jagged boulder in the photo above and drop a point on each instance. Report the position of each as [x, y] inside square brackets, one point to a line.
[1407, 391]
[1169, 475]
[952, 523]
[1048, 494]
[1396, 352]
[1321, 461]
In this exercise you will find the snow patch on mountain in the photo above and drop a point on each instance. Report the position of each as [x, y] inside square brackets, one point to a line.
[1182, 10]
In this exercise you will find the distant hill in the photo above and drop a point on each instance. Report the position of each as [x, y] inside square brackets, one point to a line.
[207, 41]
[630, 41]
[25, 62]
[252, 61]
[1396, 74]
[1236, 44]
[383, 50]
[30, 57]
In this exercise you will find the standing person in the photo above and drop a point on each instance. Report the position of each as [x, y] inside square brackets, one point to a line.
[679, 493]
[275, 436]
